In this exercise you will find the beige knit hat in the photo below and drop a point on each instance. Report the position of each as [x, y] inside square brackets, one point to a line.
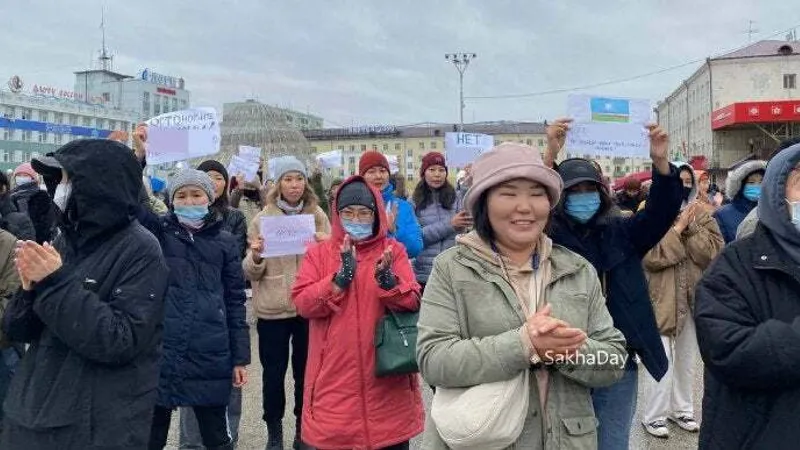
[510, 161]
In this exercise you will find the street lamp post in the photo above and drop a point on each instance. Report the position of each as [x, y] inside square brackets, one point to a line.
[461, 61]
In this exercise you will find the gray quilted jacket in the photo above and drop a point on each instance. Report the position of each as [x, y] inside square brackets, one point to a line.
[437, 236]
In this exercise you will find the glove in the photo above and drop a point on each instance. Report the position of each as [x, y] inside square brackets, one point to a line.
[385, 278]
[347, 272]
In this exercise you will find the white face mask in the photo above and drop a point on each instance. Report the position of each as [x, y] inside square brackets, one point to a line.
[62, 194]
[20, 180]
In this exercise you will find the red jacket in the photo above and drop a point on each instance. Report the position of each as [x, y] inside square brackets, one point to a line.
[345, 406]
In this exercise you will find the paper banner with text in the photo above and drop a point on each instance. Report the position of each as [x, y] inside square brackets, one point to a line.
[287, 235]
[181, 135]
[394, 163]
[461, 149]
[608, 126]
[250, 153]
[248, 168]
[330, 160]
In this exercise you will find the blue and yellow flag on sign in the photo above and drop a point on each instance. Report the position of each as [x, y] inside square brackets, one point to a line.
[610, 110]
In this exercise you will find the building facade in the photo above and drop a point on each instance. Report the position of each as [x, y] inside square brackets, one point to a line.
[149, 94]
[736, 106]
[33, 124]
[299, 120]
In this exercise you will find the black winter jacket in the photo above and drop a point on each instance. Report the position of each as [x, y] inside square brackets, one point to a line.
[88, 380]
[16, 223]
[747, 313]
[615, 246]
[37, 204]
[205, 328]
[234, 222]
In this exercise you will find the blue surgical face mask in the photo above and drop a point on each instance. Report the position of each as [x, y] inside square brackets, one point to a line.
[357, 230]
[582, 206]
[191, 215]
[752, 191]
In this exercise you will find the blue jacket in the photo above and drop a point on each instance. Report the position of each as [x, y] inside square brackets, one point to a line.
[408, 231]
[615, 246]
[438, 235]
[205, 331]
[731, 215]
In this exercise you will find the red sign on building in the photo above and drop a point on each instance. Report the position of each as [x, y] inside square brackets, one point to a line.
[756, 112]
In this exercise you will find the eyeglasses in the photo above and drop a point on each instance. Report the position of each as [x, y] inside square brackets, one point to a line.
[361, 214]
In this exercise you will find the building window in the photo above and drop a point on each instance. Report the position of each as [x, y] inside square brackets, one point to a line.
[9, 114]
[352, 171]
[422, 146]
[184, 104]
[42, 137]
[156, 105]
[410, 165]
[164, 104]
[410, 153]
[374, 147]
[340, 147]
[4, 155]
[174, 104]
[313, 149]
[44, 116]
[352, 148]
[386, 147]
[27, 136]
[397, 147]
[790, 81]
[146, 103]
[433, 145]
[73, 119]
[541, 142]
[351, 161]
[363, 147]
[26, 114]
[6, 135]
[529, 142]
[112, 125]
[17, 156]
[59, 139]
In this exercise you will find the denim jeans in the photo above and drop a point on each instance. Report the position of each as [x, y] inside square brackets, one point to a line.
[615, 408]
[190, 437]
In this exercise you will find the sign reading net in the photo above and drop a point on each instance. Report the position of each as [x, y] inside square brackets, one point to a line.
[462, 149]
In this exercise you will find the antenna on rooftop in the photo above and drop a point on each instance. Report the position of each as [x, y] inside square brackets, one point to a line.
[751, 31]
[106, 59]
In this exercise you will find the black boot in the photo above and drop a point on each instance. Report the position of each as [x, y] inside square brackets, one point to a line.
[298, 442]
[274, 436]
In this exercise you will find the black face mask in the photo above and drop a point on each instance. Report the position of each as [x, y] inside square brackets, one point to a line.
[687, 191]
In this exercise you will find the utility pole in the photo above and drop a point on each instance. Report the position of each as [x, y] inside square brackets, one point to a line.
[461, 62]
[751, 31]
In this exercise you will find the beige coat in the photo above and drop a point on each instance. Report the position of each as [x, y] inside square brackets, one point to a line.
[470, 332]
[674, 267]
[9, 278]
[272, 279]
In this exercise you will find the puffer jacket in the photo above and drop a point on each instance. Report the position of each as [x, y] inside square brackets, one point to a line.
[730, 216]
[407, 230]
[438, 235]
[272, 278]
[471, 332]
[235, 223]
[345, 406]
[205, 331]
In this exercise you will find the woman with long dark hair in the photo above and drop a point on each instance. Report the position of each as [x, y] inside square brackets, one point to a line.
[437, 209]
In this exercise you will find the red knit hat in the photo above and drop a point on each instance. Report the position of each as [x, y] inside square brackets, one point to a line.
[432, 159]
[372, 159]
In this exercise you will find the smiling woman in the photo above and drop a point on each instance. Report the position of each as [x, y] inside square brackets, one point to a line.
[507, 271]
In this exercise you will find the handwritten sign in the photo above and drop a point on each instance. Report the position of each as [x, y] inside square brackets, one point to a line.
[608, 126]
[250, 153]
[394, 163]
[239, 165]
[181, 135]
[330, 160]
[287, 235]
[461, 149]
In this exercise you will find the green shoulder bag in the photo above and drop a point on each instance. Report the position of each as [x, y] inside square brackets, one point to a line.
[396, 344]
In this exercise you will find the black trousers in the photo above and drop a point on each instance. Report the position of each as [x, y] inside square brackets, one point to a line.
[212, 421]
[274, 338]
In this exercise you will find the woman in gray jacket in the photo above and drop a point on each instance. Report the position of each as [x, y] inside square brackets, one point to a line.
[437, 208]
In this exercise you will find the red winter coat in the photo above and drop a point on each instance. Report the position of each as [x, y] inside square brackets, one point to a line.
[344, 405]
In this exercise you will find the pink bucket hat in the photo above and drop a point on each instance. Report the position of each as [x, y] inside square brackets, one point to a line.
[510, 161]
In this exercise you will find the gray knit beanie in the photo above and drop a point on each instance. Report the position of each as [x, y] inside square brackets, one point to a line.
[192, 177]
[286, 164]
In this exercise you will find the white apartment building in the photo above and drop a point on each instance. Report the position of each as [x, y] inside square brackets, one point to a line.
[736, 106]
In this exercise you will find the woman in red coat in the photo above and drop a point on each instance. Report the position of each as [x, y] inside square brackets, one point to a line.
[343, 287]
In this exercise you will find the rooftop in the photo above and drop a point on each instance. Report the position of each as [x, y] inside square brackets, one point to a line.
[426, 130]
[764, 48]
[116, 75]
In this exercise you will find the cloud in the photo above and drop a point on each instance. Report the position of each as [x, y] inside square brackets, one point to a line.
[358, 62]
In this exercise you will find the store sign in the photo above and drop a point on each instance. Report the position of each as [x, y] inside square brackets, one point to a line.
[373, 129]
[756, 112]
[15, 84]
[50, 91]
[163, 80]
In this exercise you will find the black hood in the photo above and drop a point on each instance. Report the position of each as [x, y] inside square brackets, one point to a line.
[106, 182]
[773, 208]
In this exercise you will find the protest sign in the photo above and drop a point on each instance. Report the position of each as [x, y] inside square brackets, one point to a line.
[181, 135]
[608, 127]
[461, 149]
[394, 163]
[330, 160]
[250, 153]
[287, 235]
[239, 165]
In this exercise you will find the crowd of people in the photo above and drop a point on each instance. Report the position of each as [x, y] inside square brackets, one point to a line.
[526, 294]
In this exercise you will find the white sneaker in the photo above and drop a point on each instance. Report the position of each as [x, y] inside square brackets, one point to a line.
[686, 422]
[657, 428]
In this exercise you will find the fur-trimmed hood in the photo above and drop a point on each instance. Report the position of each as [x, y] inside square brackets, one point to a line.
[693, 193]
[735, 181]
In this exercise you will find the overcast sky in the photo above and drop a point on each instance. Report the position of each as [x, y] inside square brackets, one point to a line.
[382, 62]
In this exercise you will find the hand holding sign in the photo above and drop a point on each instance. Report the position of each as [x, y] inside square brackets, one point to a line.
[287, 235]
[659, 148]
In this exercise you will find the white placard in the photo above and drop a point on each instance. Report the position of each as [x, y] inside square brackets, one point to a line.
[330, 160]
[461, 149]
[252, 154]
[394, 163]
[239, 165]
[608, 126]
[180, 135]
[287, 235]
